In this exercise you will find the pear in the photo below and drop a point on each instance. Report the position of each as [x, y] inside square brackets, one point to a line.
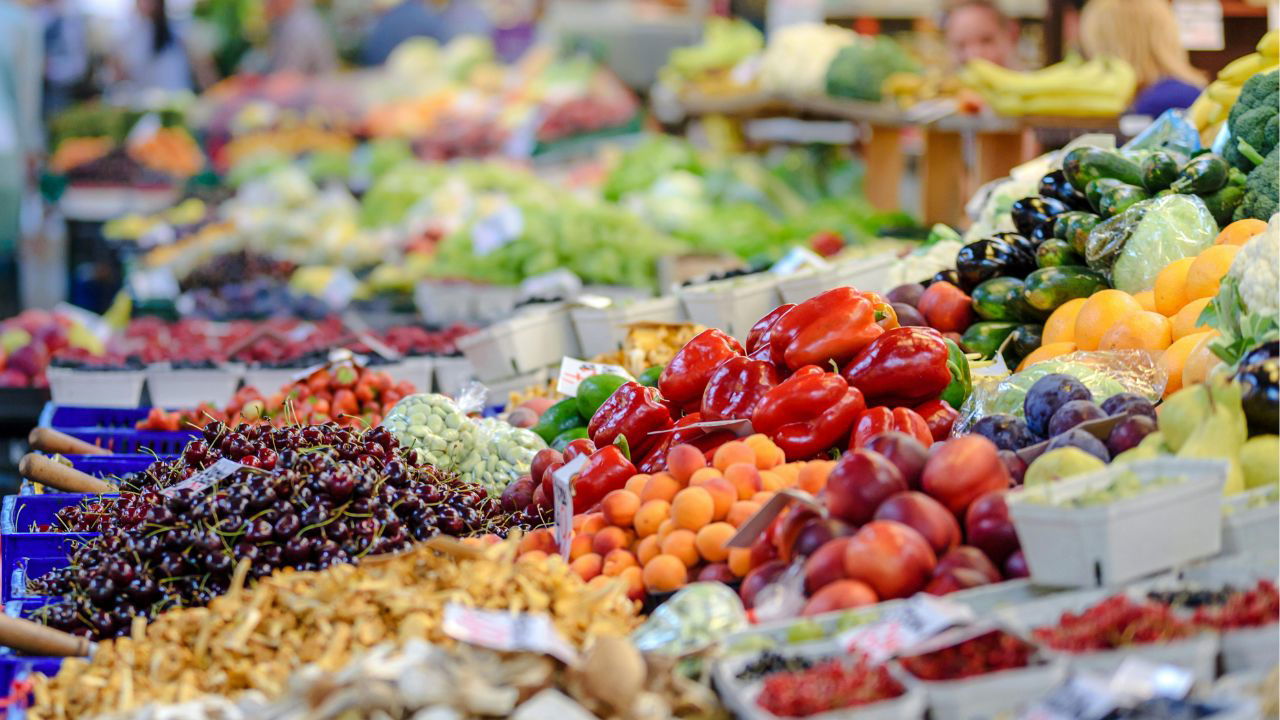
[1229, 396]
[1133, 454]
[1260, 461]
[1182, 412]
[1060, 463]
[1217, 437]
[1155, 441]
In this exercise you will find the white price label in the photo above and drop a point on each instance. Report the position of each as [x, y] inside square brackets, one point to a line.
[506, 631]
[1081, 697]
[911, 623]
[496, 229]
[1200, 24]
[220, 470]
[143, 130]
[1137, 680]
[562, 489]
[573, 371]
[798, 258]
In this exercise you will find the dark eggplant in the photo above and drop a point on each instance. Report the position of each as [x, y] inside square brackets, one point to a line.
[1026, 245]
[1262, 352]
[1044, 231]
[1260, 394]
[1030, 213]
[992, 257]
[948, 276]
[1055, 185]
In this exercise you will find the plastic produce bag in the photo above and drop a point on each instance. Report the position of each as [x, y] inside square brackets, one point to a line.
[435, 427]
[501, 454]
[1104, 373]
[1170, 131]
[695, 618]
[1134, 246]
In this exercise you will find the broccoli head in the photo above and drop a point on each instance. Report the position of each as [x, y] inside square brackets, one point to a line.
[1262, 190]
[1255, 120]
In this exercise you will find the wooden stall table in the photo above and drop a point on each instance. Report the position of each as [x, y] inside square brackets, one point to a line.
[883, 144]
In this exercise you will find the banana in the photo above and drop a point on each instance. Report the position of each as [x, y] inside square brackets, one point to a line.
[1242, 68]
[1198, 113]
[1223, 93]
[1269, 45]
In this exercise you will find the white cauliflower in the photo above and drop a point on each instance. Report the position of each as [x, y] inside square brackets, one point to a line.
[1257, 269]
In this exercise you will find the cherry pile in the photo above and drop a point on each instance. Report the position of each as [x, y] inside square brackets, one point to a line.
[323, 495]
[829, 685]
[984, 654]
[1242, 609]
[1115, 622]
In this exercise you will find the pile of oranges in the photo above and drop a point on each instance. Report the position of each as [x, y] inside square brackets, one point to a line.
[1164, 321]
[670, 528]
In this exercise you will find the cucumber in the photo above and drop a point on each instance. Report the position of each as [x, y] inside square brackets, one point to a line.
[1202, 175]
[1112, 197]
[1055, 252]
[1086, 164]
[1022, 342]
[1222, 204]
[1074, 227]
[556, 419]
[1047, 288]
[999, 298]
[1159, 171]
[984, 338]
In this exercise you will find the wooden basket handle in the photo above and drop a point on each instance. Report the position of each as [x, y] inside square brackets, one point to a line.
[48, 471]
[32, 638]
[55, 441]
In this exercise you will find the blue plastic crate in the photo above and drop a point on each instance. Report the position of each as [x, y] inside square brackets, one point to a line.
[72, 416]
[16, 587]
[113, 429]
[104, 466]
[18, 512]
[134, 441]
[16, 548]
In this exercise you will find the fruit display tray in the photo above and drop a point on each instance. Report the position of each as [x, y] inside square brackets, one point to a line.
[15, 588]
[189, 387]
[604, 330]
[417, 369]
[866, 274]
[1126, 539]
[18, 546]
[452, 374]
[529, 341]
[104, 466]
[107, 388]
[997, 694]
[733, 305]
[112, 428]
[1247, 529]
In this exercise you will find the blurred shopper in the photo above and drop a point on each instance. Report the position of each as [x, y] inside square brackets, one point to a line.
[980, 29]
[152, 52]
[21, 60]
[66, 53]
[1143, 33]
[441, 20]
[300, 40]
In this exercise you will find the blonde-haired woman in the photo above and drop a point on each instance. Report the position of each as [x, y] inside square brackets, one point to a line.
[1143, 33]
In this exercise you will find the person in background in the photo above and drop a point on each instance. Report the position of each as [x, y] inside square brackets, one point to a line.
[300, 40]
[1143, 33]
[21, 138]
[152, 52]
[66, 51]
[441, 20]
[980, 29]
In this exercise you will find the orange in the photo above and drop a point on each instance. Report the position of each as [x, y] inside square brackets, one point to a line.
[1044, 352]
[1147, 299]
[711, 540]
[682, 544]
[693, 507]
[1240, 232]
[1061, 325]
[665, 573]
[1102, 310]
[1208, 270]
[1171, 286]
[1201, 362]
[1174, 360]
[1186, 321]
[1146, 330]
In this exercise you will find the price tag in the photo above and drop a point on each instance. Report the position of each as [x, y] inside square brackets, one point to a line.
[1200, 24]
[557, 283]
[153, 283]
[220, 470]
[496, 229]
[342, 286]
[1137, 680]
[506, 631]
[562, 488]
[1081, 697]
[143, 130]
[573, 371]
[798, 258]
[909, 624]
[757, 523]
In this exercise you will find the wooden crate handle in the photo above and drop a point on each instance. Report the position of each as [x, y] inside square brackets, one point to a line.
[47, 471]
[32, 638]
[55, 441]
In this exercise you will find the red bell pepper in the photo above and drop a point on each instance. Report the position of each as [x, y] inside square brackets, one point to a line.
[877, 420]
[735, 388]
[904, 366]
[683, 433]
[886, 316]
[759, 335]
[939, 416]
[809, 412]
[634, 412]
[605, 471]
[685, 377]
[832, 326]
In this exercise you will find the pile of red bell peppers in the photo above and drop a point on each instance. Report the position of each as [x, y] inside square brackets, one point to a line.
[823, 375]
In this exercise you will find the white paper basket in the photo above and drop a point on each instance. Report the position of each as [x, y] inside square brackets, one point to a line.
[188, 387]
[96, 388]
[603, 330]
[732, 305]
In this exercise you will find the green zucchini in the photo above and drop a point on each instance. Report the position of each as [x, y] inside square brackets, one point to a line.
[999, 298]
[1074, 227]
[1202, 175]
[1022, 342]
[1055, 252]
[1112, 197]
[984, 338]
[1159, 171]
[1083, 165]
[1047, 288]
[1223, 203]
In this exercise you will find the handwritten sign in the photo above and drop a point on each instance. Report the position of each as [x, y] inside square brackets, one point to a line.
[1081, 697]
[220, 470]
[906, 625]
[573, 371]
[562, 488]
